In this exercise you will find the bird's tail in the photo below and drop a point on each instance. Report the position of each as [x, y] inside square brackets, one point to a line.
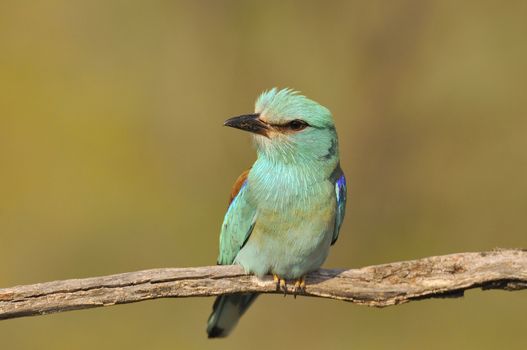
[226, 312]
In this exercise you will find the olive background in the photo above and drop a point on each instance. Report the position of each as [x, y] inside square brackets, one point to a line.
[113, 157]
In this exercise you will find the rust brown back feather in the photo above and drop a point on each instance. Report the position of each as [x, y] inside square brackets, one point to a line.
[238, 184]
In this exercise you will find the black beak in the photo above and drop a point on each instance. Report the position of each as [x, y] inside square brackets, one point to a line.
[248, 122]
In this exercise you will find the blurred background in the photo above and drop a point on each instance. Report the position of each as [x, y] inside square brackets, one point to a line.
[113, 157]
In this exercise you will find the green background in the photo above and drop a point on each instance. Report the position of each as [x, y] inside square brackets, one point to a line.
[113, 157]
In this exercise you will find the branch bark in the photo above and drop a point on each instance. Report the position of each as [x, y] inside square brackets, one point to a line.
[380, 285]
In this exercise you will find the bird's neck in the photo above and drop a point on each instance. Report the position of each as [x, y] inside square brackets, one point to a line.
[280, 176]
[282, 186]
[288, 173]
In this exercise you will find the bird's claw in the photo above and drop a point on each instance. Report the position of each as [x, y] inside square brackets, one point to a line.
[283, 286]
[300, 286]
[280, 284]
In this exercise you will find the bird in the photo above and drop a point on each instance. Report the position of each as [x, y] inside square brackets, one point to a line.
[286, 210]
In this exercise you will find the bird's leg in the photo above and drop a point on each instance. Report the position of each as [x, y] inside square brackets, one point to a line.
[280, 283]
[276, 281]
[300, 286]
[283, 286]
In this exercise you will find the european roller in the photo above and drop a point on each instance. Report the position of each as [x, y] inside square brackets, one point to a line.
[287, 209]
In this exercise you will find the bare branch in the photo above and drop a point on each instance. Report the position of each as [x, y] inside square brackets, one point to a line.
[380, 285]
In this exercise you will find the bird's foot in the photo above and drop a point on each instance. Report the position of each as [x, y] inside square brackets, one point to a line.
[300, 286]
[280, 284]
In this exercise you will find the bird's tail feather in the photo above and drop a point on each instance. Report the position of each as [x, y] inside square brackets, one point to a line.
[226, 312]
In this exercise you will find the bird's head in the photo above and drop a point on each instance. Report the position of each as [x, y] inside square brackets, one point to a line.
[290, 128]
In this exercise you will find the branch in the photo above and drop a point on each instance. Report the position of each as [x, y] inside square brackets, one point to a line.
[380, 285]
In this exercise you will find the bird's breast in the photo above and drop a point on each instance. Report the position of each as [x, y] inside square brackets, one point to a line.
[292, 202]
[294, 221]
[292, 231]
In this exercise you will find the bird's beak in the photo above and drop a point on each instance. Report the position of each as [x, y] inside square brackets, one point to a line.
[248, 122]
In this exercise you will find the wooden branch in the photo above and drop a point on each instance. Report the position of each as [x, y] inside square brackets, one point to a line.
[380, 285]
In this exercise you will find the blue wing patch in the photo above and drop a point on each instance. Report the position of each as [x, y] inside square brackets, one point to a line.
[340, 192]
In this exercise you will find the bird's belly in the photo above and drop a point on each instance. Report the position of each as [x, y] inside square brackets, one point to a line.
[288, 244]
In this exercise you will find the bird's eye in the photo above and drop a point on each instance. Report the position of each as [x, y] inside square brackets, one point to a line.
[297, 125]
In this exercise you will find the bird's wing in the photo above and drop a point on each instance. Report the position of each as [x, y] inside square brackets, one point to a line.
[340, 192]
[238, 222]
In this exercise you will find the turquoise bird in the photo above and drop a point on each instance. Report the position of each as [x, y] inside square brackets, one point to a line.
[287, 210]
